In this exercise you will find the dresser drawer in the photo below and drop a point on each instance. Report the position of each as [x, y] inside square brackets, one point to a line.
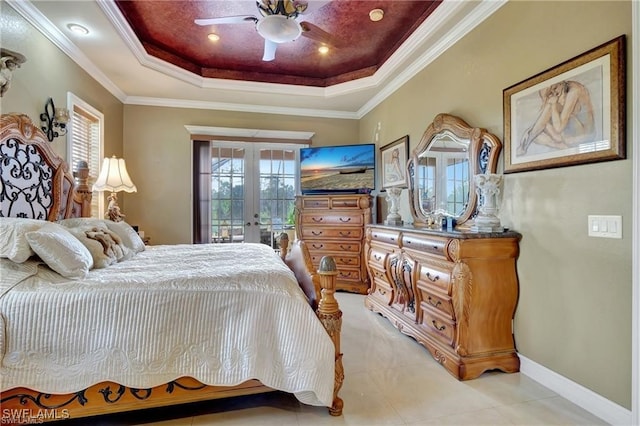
[347, 202]
[342, 233]
[349, 274]
[381, 290]
[320, 218]
[377, 258]
[435, 275]
[422, 243]
[385, 236]
[441, 327]
[348, 246]
[436, 300]
[314, 203]
[341, 259]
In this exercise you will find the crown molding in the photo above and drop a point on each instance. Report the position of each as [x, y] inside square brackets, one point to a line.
[479, 14]
[249, 133]
[221, 106]
[54, 35]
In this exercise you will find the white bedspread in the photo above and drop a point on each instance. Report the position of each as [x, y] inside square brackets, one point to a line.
[222, 314]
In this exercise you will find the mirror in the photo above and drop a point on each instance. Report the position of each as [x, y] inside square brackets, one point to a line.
[441, 170]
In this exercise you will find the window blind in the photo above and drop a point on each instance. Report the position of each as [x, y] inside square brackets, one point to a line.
[86, 147]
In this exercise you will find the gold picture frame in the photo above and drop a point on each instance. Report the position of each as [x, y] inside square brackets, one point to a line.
[394, 157]
[573, 113]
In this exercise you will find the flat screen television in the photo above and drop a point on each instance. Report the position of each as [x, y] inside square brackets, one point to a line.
[334, 169]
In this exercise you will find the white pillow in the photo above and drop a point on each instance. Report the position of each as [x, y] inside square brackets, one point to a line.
[13, 243]
[74, 222]
[61, 251]
[129, 236]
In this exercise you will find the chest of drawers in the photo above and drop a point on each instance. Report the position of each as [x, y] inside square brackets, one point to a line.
[454, 292]
[333, 225]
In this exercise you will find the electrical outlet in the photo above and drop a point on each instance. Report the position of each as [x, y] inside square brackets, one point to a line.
[604, 226]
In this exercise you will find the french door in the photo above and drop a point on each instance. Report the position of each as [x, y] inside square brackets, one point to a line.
[253, 187]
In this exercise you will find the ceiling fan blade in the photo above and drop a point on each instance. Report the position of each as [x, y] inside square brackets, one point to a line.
[312, 5]
[226, 20]
[269, 50]
[316, 33]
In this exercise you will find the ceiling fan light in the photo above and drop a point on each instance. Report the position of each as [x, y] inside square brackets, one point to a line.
[213, 37]
[323, 50]
[278, 28]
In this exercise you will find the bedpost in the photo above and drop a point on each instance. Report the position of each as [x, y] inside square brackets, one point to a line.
[82, 194]
[284, 245]
[330, 315]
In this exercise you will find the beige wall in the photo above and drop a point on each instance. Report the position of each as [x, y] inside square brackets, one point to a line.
[158, 153]
[49, 73]
[574, 312]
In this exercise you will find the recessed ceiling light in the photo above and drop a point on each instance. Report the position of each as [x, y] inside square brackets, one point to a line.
[78, 29]
[376, 15]
[213, 37]
[323, 49]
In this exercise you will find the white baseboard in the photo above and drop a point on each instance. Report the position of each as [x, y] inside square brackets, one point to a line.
[597, 405]
[590, 401]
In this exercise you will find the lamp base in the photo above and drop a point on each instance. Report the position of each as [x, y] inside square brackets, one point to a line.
[113, 212]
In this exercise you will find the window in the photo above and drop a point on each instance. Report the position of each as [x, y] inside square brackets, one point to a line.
[85, 141]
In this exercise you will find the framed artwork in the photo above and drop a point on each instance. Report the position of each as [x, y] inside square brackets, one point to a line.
[394, 158]
[573, 113]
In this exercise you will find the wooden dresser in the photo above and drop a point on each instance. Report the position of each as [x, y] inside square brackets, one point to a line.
[454, 292]
[333, 225]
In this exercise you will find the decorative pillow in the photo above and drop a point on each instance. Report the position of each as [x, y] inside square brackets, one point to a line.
[13, 243]
[105, 246]
[130, 237]
[61, 251]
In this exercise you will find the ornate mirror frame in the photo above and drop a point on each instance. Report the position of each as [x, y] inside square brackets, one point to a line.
[484, 149]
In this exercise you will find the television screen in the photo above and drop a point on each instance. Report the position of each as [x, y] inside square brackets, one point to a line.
[345, 168]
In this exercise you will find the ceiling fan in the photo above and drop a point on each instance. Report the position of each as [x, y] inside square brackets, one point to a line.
[279, 23]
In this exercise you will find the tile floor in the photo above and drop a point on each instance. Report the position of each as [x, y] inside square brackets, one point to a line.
[389, 380]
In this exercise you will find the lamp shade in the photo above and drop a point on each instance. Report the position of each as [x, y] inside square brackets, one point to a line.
[114, 177]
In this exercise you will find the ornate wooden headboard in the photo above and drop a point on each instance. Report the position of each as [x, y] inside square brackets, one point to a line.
[34, 181]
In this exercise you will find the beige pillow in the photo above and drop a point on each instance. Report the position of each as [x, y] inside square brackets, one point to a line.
[61, 251]
[13, 242]
[130, 237]
[105, 246]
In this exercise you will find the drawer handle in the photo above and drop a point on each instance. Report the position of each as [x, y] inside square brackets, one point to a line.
[345, 234]
[317, 219]
[317, 246]
[345, 247]
[436, 304]
[346, 261]
[377, 257]
[432, 278]
[435, 247]
[381, 291]
[439, 328]
[409, 242]
[316, 233]
[345, 221]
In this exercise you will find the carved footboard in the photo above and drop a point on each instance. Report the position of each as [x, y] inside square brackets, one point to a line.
[319, 286]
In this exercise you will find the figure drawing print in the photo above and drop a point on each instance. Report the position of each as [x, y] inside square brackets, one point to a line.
[561, 116]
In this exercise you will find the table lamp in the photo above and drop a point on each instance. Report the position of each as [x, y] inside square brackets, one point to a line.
[114, 177]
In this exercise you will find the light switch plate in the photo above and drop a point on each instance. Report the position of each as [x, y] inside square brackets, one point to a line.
[604, 226]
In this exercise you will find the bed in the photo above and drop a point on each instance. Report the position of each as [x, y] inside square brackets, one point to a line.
[94, 322]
